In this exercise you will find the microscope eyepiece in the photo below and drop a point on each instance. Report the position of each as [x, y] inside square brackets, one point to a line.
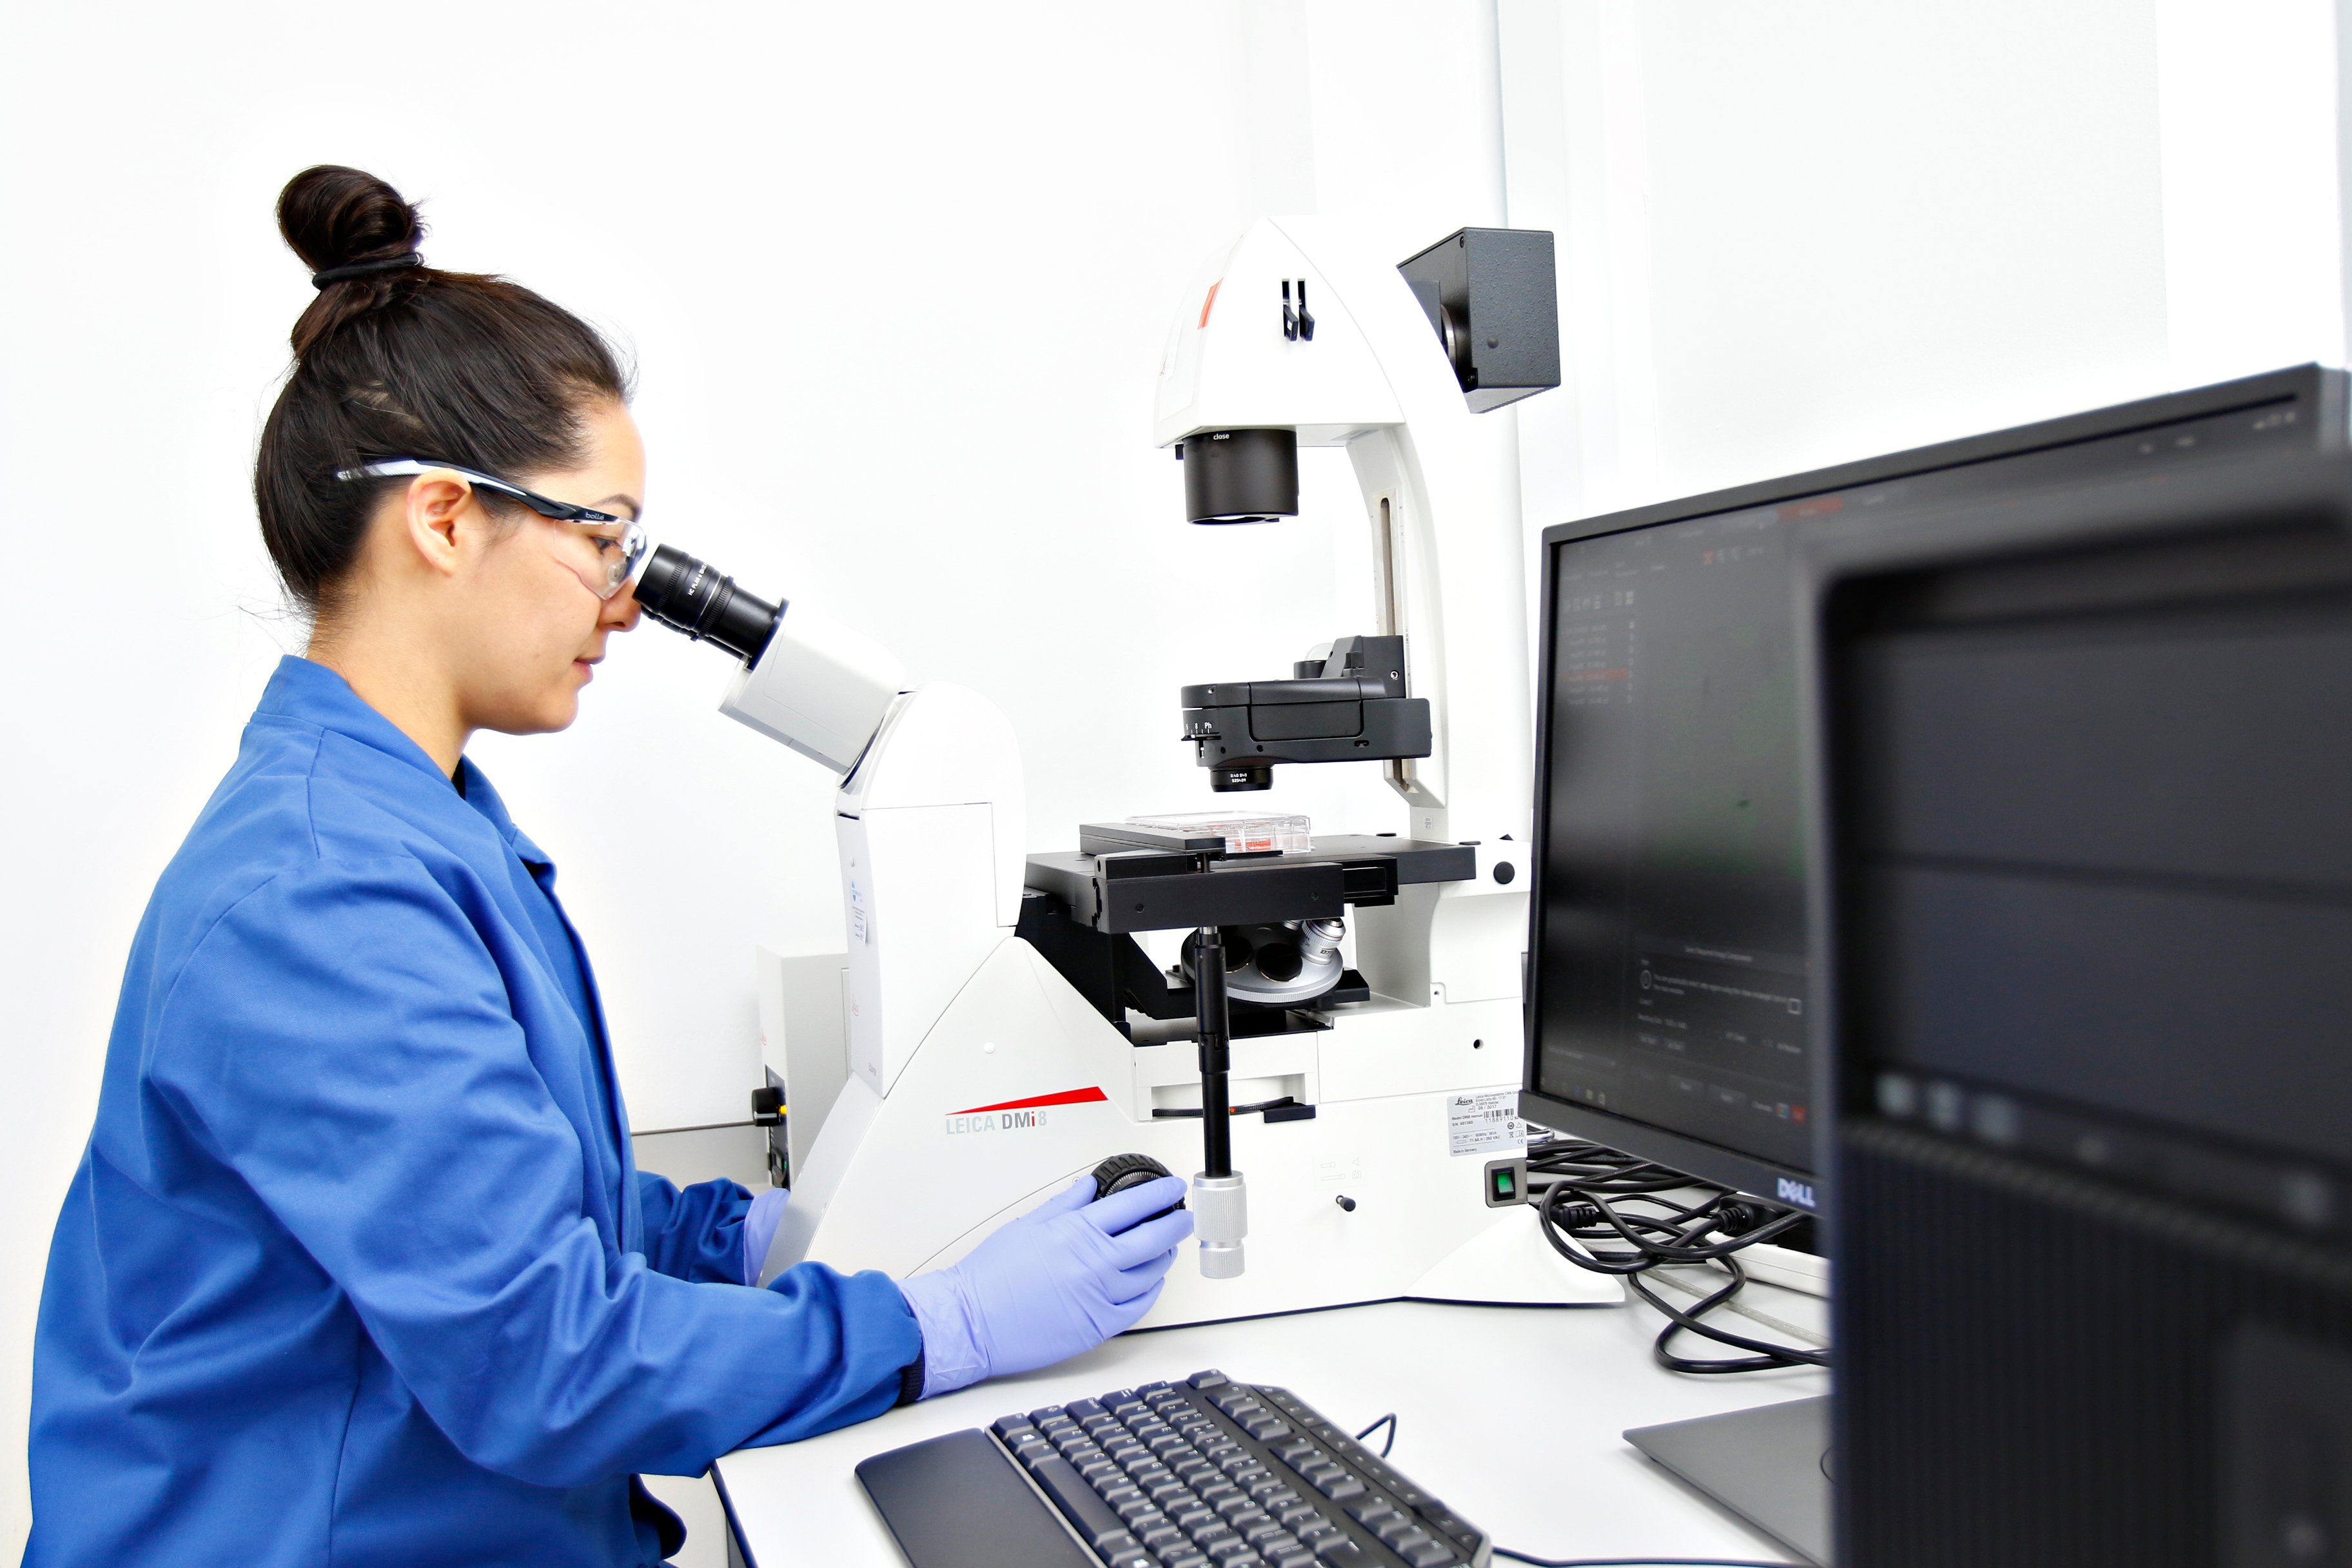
[693, 597]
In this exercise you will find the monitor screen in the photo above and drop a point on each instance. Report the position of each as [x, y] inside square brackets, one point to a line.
[1673, 873]
[1669, 1014]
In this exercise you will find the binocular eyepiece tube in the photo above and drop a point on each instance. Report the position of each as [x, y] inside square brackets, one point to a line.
[692, 596]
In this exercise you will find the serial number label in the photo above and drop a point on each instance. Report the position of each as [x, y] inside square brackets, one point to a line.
[1484, 1123]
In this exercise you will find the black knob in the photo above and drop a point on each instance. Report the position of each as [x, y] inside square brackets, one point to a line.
[1121, 1171]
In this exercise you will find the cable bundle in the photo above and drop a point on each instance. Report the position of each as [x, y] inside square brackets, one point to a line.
[1599, 1197]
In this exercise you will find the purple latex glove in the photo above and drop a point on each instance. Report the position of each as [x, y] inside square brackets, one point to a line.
[1061, 1278]
[760, 1221]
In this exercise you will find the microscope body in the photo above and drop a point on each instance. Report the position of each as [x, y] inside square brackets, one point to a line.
[976, 1079]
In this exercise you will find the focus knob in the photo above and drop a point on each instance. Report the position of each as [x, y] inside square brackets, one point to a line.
[1121, 1171]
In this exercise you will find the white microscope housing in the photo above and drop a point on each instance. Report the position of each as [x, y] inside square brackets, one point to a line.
[942, 1076]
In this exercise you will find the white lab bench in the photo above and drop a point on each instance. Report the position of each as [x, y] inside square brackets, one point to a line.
[1512, 1415]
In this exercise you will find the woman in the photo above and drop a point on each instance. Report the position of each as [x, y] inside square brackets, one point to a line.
[356, 1268]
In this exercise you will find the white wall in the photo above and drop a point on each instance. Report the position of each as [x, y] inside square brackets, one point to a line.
[1800, 233]
[898, 277]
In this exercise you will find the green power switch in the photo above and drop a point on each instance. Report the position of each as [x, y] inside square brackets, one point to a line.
[1506, 1183]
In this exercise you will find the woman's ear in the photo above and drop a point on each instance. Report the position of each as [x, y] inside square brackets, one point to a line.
[435, 502]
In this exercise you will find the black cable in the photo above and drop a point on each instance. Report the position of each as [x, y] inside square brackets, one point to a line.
[1641, 1562]
[1388, 1421]
[1616, 1207]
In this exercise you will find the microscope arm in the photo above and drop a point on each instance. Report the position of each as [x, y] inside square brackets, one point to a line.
[811, 682]
[818, 687]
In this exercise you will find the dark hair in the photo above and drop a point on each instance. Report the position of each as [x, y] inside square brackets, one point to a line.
[406, 361]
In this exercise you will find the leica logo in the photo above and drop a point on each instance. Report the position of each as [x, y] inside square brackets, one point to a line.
[1000, 1121]
[1016, 1115]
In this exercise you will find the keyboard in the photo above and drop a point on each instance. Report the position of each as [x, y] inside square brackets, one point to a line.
[1205, 1473]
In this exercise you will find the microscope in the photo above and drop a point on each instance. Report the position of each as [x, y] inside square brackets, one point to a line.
[1344, 1022]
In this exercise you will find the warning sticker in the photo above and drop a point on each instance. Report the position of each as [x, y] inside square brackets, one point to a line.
[1485, 1123]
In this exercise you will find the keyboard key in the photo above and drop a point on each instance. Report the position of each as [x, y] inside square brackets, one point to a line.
[1115, 1496]
[1338, 1552]
[1209, 1537]
[1293, 1451]
[1295, 1513]
[1191, 1557]
[1010, 1427]
[1078, 1410]
[1427, 1554]
[1209, 1379]
[1234, 1554]
[1200, 1516]
[1399, 1531]
[1093, 1519]
[1167, 1493]
[1032, 1448]
[1161, 1536]
[1139, 1514]
[1259, 1530]
[1267, 1427]
[1292, 1557]
[1129, 1557]
[1371, 1512]
[1338, 1488]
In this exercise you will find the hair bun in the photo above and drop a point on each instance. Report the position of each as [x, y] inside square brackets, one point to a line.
[333, 216]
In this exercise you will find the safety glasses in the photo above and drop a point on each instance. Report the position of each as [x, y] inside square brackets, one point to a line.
[620, 541]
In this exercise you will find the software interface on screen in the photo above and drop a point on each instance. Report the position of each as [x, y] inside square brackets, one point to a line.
[1674, 952]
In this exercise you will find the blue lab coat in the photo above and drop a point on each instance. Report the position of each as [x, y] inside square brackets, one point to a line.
[357, 1269]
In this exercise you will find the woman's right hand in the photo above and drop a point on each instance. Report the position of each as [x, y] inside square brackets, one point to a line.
[1061, 1278]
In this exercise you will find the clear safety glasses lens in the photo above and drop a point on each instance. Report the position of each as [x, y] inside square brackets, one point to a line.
[620, 548]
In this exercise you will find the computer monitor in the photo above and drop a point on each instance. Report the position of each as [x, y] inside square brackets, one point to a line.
[2083, 911]
[1669, 977]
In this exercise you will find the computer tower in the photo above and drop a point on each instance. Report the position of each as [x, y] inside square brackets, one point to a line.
[2081, 793]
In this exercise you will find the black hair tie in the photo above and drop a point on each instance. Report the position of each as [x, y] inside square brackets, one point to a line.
[364, 268]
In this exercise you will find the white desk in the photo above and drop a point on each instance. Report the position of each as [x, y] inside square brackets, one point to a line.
[1512, 1415]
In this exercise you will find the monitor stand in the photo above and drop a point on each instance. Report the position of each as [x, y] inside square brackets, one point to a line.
[1769, 1465]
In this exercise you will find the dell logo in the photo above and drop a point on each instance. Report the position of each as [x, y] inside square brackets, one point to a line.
[1798, 1193]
